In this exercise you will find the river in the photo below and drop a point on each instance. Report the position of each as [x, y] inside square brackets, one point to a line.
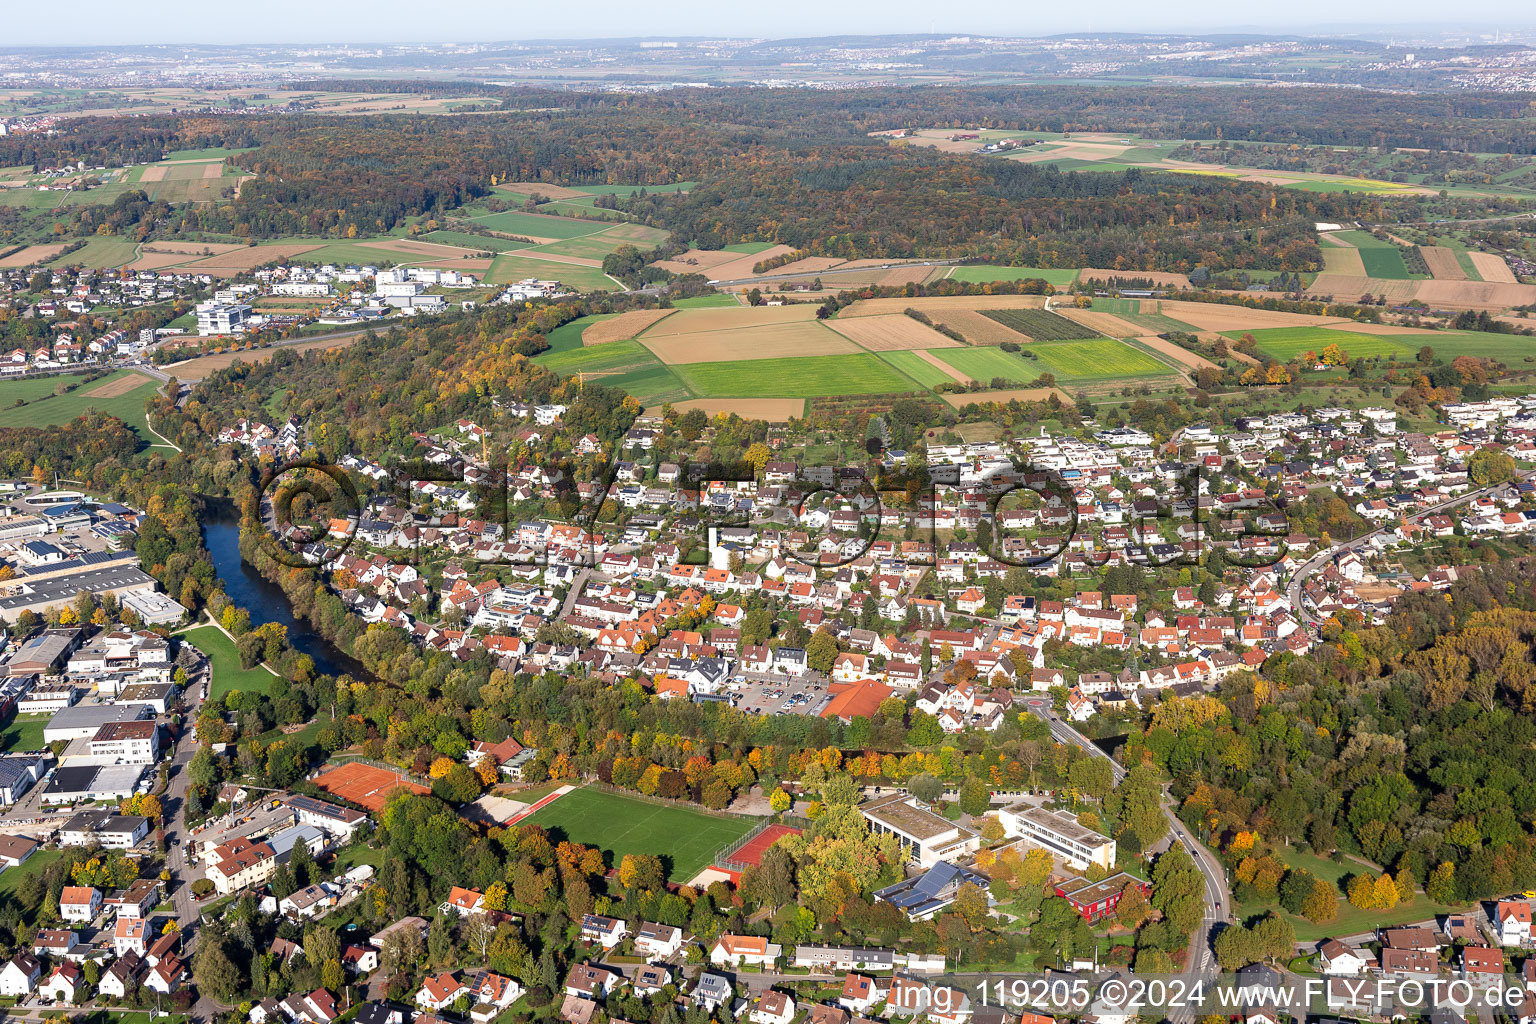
[266, 601]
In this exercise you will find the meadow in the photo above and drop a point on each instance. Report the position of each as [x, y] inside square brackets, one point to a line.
[983, 364]
[794, 377]
[1097, 359]
[509, 267]
[44, 409]
[1286, 343]
[685, 840]
[225, 660]
[537, 225]
[627, 365]
[99, 254]
[918, 368]
[24, 733]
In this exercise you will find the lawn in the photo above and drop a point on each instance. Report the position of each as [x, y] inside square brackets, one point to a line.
[10, 880]
[510, 267]
[23, 732]
[227, 673]
[918, 368]
[1285, 343]
[44, 409]
[985, 363]
[539, 226]
[983, 273]
[794, 377]
[685, 840]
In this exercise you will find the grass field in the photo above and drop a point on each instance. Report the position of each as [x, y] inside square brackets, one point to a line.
[23, 732]
[1381, 259]
[227, 673]
[983, 273]
[918, 368]
[10, 880]
[51, 411]
[484, 243]
[796, 377]
[684, 839]
[537, 225]
[510, 267]
[1040, 324]
[99, 254]
[1097, 359]
[748, 248]
[587, 247]
[1131, 310]
[215, 153]
[985, 363]
[704, 301]
[617, 364]
[1285, 343]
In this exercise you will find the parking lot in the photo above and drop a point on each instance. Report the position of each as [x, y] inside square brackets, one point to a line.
[764, 695]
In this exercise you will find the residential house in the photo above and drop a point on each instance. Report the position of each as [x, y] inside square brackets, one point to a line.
[742, 950]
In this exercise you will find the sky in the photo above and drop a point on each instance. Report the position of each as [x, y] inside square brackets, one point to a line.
[104, 22]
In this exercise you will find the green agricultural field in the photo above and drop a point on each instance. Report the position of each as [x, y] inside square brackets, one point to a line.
[984, 273]
[538, 225]
[1382, 259]
[568, 336]
[587, 247]
[748, 248]
[918, 368]
[793, 377]
[1097, 359]
[44, 409]
[483, 243]
[1040, 324]
[23, 732]
[612, 358]
[985, 363]
[705, 301]
[510, 267]
[100, 254]
[1286, 343]
[1130, 310]
[652, 385]
[686, 840]
[227, 673]
[1513, 350]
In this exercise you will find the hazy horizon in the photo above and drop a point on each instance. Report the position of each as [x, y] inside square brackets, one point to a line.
[97, 23]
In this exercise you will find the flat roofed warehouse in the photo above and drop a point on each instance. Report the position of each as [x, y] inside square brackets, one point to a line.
[58, 587]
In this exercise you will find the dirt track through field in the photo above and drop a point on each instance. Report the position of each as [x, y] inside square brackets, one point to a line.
[1492, 268]
[937, 363]
[625, 325]
[893, 333]
[1442, 263]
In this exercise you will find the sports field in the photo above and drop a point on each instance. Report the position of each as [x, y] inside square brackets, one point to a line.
[1096, 359]
[684, 839]
[984, 273]
[800, 377]
[44, 409]
[1286, 343]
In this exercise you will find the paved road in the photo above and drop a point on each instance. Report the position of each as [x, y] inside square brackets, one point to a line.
[1322, 558]
[1218, 901]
